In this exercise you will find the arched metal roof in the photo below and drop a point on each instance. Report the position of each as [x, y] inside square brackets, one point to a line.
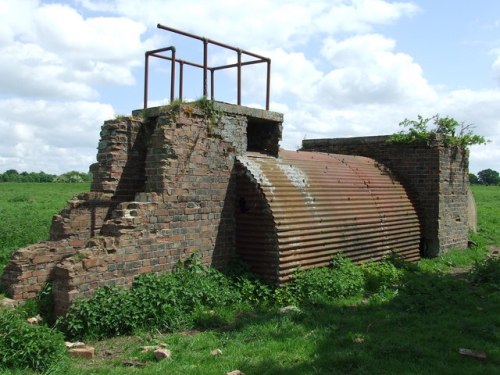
[302, 208]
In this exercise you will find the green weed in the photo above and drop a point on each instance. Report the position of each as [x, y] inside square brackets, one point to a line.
[414, 324]
[486, 271]
[26, 346]
[192, 296]
[380, 276]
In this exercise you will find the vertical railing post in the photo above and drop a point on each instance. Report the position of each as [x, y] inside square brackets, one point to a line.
[205, 67]
[212, 84]
[239, 65]
[181, 78]
[172, 75]
[268, 84]
[239, 77]
[146, 73]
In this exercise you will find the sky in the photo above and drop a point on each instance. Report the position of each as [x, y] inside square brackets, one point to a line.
[340, 68]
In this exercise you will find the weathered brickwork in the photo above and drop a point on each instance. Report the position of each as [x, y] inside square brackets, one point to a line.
[83, 218]
[163, 188]
[120, 158]
[31, 267]
[435, 176]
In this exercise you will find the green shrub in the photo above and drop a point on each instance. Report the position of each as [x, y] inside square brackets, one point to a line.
[109, 312]
[24, 345]
[342, 279]
[348, 277]
[448, 129]
[399, 262]
[380, 276]
[486, 271]
[314, 285]
[171, 301]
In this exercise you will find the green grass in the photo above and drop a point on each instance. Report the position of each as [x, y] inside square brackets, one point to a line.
[488, 214]
[26, 211]
[417, 330]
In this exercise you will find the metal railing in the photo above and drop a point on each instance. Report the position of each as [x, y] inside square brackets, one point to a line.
[173, 60]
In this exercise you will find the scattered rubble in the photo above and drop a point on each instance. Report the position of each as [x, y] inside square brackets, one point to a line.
[86, 352]
[161, 354]
[216, 352]
[71, 345]
[289, 309]
[472, 353]
[9, 303]
[34, 320]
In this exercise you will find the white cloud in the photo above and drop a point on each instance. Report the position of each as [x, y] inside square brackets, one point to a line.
[112, 39]
[264, 23]
[28, 70]
[16, 19]
[50, 136]
[367, 70]
[359, 16]
[54, 52]
[293, 74]
[332, 74]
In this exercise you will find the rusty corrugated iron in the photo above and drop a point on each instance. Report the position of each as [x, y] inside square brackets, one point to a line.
[302, 208]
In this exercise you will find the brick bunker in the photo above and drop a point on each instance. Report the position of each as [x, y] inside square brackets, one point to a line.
[211, 179]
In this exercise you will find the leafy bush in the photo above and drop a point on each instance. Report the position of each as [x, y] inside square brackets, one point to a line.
[486, 271]
[448, 129]
[348, 277]
[176, 300]
[399, 262]
[380, 276]
[23, 345]
[109, 312]
[342, 279]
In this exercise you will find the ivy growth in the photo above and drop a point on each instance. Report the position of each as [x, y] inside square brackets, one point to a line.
[448, 129]
[212, 113]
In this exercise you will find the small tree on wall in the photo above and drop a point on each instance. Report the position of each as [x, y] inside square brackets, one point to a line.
[450, 130]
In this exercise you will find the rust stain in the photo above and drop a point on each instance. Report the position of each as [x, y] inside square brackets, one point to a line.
[302, 208]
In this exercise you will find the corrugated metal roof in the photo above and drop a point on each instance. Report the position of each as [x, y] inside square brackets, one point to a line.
[302, 208]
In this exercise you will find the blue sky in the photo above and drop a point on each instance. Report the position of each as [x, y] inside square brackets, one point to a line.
[339, 68]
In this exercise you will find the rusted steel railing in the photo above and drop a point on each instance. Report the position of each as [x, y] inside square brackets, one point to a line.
[172, 58]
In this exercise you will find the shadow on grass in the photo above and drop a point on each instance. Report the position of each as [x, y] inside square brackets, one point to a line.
[418, 332]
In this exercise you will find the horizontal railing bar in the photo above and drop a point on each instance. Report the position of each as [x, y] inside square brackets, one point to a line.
[235, 65]
[153, 52]
[203, 39]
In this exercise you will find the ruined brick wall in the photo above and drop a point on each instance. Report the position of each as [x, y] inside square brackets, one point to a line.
[116, 177]
[163, 188]
[436, 178]
[120, 158]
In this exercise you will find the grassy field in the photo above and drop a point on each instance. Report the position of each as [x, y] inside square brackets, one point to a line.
[26, 211]
[435, 311]
[488, 212]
